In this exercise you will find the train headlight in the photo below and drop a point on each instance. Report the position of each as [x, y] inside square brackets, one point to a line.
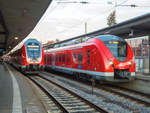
[28, 60]
[130, 63]
[111, 63]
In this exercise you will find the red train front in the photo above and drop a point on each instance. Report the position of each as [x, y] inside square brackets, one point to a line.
[105, 57]
[30, 57]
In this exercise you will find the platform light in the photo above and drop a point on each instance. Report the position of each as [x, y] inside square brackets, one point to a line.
[16, 38]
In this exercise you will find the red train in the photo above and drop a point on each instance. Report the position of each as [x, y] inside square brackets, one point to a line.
[104, 57]
[30, 57]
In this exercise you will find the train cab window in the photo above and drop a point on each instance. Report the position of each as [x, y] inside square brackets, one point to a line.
[80, 57]
[88, 57]
[116, 45]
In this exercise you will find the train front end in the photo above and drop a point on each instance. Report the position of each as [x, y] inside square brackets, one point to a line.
[34, 55]
[119, 58]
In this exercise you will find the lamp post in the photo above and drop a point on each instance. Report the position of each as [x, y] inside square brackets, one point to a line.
[85, 27]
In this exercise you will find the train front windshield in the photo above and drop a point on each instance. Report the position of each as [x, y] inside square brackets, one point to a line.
[116, 45]
[33, 50]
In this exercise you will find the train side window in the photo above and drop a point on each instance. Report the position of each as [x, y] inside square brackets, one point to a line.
[45, 59]
[68, 58]
[80, 57]
[63, 58]
[74, 58]
[50, 59]
[59, 58]
[88, 57]
[56, 58]
[53, 58]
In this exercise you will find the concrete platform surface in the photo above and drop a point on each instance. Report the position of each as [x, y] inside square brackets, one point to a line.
[17, 95]
[143, 77]
[141, 83]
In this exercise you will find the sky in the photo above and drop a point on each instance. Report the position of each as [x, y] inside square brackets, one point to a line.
[65, 19]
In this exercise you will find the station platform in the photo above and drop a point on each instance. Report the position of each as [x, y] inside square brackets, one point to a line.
[17, 95]
[143, 77]
[141, 83]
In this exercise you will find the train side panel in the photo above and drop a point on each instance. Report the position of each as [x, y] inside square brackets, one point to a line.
[94, 59]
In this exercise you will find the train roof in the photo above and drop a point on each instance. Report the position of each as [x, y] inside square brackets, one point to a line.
[79, 40]
[68, 43]
[21, 44]
[32, 40]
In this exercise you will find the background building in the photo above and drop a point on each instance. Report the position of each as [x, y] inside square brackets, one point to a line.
[140, 47]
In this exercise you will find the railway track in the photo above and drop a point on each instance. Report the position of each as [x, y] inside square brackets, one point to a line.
[105, 95]
[66, 100]
[142, 79]
[126, 96]
[134, 95]
[137, 96]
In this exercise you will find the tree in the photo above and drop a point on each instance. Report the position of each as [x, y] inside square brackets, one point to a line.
[57, 40]
[51, 42]
[111, 20]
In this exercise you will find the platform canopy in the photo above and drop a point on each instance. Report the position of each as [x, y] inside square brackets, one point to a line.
[132, 28]
[135, 27]
[17, 20]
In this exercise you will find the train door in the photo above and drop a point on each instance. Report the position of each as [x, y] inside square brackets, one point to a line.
[68, 58]
[77, 58]
[53, 60]
[45, 57]
[88, 58]
[91, 58]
